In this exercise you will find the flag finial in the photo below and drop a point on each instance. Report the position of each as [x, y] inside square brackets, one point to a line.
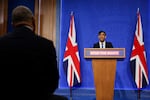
[138, 10]
[71, 13]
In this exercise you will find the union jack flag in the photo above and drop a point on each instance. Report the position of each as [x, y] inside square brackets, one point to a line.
[71, 61]
[138, 62]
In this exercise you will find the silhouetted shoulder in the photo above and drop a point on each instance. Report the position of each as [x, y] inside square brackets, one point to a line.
[45, 42]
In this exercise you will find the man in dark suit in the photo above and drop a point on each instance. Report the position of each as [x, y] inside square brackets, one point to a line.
[27, 62]
[102, 41]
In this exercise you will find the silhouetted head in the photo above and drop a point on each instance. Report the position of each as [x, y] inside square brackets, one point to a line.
[22, 15]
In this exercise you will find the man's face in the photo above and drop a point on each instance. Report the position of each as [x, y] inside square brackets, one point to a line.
[102, 36]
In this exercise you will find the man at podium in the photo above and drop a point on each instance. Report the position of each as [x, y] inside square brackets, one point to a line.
[102, 41]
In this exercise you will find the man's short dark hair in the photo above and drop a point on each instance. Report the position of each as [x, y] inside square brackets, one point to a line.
[101, 32]
[21, 13]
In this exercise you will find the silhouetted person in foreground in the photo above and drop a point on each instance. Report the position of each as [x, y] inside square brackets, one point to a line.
[28, 65]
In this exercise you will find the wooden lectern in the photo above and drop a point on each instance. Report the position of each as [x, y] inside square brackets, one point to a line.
[104, 69]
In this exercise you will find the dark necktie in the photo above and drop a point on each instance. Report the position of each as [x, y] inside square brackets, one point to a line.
[102, 45]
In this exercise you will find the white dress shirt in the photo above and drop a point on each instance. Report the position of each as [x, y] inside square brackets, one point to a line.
[102, 44]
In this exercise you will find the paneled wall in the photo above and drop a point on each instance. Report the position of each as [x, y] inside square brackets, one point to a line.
[3, 16]
[45, 16]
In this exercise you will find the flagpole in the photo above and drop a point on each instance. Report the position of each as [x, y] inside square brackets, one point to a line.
[71, 13]
[139, 94]
[71, 86]
[70, 93]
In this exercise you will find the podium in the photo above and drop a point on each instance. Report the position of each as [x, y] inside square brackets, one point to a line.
[104, 69]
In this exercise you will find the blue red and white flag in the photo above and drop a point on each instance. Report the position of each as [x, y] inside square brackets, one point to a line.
[71, 61]
[138, 61]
